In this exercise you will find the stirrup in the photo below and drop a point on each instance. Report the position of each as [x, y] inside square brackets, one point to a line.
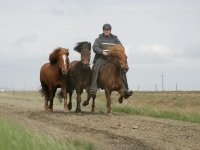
[93, 91]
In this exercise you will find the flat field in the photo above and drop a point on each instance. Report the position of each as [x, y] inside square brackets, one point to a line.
[147, 120]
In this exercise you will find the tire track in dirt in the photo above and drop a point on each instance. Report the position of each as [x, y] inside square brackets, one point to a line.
[119, 141]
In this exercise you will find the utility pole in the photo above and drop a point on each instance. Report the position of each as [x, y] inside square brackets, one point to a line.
[162, 77]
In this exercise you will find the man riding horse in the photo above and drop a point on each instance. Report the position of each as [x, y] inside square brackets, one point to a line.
[100, 47]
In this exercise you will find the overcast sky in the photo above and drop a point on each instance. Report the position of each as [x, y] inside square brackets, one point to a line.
[160, 37]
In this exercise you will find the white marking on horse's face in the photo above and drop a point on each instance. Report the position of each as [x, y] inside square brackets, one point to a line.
[64, 59]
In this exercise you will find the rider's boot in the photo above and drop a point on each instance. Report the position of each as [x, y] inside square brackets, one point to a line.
[93, 85]
[127, 92]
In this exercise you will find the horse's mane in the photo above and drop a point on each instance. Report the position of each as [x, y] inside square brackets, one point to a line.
[82, 45]
[53, 57]
[117, 54]
[117, 50]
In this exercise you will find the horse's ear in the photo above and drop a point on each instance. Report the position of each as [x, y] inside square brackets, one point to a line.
[67, 51]
[89, 45]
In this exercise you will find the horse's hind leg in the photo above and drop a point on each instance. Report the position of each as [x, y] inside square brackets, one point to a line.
[46, 102]
[45, 91]
[108, 93]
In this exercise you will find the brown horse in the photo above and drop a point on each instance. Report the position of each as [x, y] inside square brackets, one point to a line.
[53, 76]
[110, 76]
[79, 75]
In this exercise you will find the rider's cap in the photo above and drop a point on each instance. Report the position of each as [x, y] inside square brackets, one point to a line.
[107, 26]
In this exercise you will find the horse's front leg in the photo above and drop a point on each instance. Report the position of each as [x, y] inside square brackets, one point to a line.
[86, 102]
[121, 92]
[78, 99]
[70, 99]
[64, 91]
[108, 98]
[51, 97]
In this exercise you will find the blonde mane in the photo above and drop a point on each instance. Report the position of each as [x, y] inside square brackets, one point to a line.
[119, 52]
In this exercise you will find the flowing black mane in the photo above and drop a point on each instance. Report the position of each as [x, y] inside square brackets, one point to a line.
[82, 45]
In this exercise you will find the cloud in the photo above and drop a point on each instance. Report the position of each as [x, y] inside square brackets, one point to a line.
[28, 39]
[191, 51]
[158, 35]
[151, 54]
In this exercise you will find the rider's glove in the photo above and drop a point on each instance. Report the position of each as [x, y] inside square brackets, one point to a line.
[105, 52]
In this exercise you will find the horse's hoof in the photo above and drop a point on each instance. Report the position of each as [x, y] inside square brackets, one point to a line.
[50, 109]
[109, 113]
[93, 92]
[45, 107]
[78, 110]
[69, 106]
[128, 94]
[85, 103]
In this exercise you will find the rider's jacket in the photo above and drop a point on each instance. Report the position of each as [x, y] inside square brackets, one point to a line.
[102, 43]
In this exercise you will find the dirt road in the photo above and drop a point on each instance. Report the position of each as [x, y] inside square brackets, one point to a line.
[115, 131]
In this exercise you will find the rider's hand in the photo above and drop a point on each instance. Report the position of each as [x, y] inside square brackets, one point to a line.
[105, 52]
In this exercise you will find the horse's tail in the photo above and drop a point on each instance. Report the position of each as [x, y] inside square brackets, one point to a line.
[59, 95]
[44, 89]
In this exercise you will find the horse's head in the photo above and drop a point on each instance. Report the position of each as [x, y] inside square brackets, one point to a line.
[60, 57]
[84, 48]
[117, 53]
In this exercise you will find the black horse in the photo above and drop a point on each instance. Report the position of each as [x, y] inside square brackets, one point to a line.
[80, 74]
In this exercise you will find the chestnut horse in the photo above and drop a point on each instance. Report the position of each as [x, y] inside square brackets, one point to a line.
[53, 76]
[110, 76]
[79, 75]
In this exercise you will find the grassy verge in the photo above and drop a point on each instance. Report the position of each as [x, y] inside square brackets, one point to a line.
[152, 112]
[13, 136]
[181, 105]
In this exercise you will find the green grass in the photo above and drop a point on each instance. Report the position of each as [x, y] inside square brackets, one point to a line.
[180, 105]
[152, 112]
[14, 136]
